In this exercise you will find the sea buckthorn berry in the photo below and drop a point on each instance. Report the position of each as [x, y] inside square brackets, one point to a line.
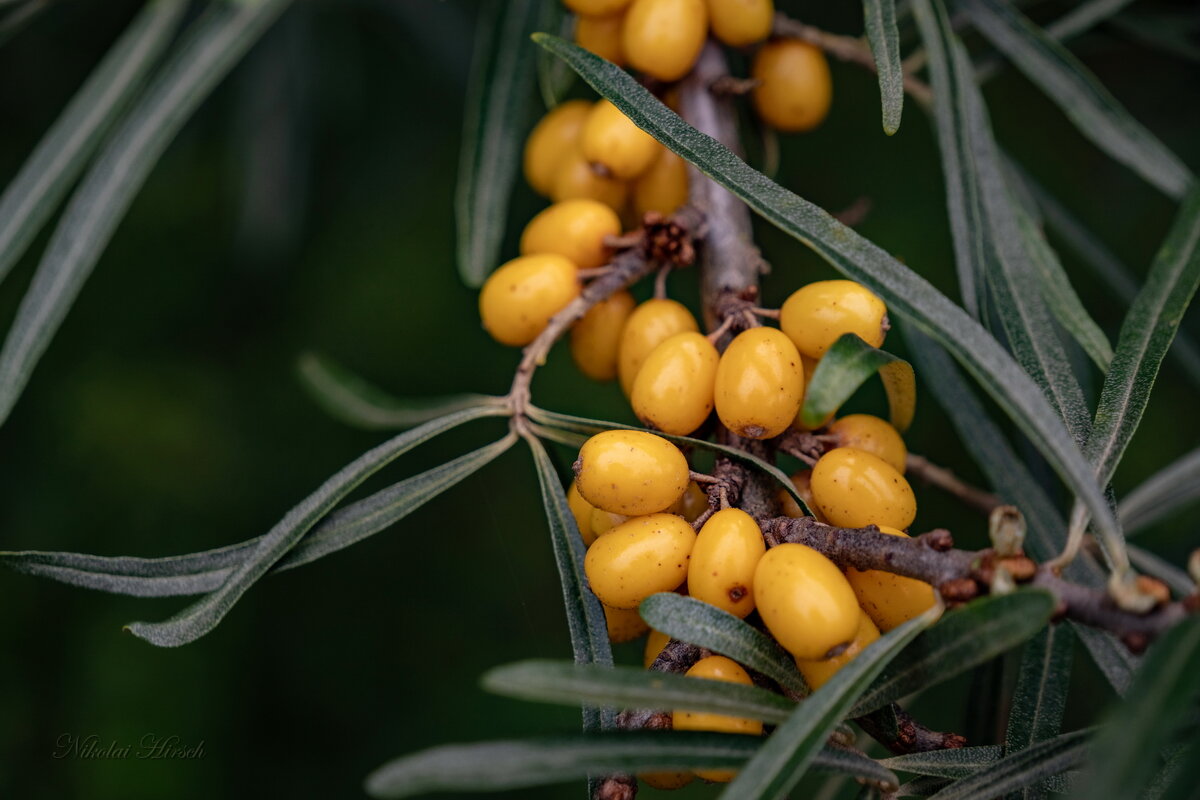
[673, 391]
[805, 601]
[575, 178]
[663, 38]
[760, 384]
[802, 480]
[624, 624]
[872, 435]
[641, 557]
[853, 489]
[663, 188]
[575, 229]
[693, 503]
[596, 8]
[611, 140]
[716, 668]
[650, 324]
[602, 36]
[582, 511]
[555, 135]
[520, 297]
[817, 673]
[738, 23]
[602, 522]
[794, 89]
[817, 314]
[667, 780]
[596, 338]
[726, 554]
[631, 473]
[655, 643]
[890, 599]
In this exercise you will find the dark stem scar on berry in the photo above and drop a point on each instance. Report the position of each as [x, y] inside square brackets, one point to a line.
[737, 593]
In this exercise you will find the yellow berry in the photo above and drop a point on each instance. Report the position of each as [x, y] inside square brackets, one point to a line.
[638, 558]
[872, 435]
[596, 338]
[575, 178]
[673, 391]
[555, 135]
[716, 668]
[663, 38]
[738, 23]
[693, 503]
[760, 384]
[667, 780]
[726, 554]
[611, 140]
[853, 489]
[802, 480]
[655, 643]
[575, 229]
[602, 522]
[817, 314]
[520, 297]
[650, 324]
[817, 673]
[890, 599]
[663, 188]
[602, 36]
[805, 601]
[624, 624]
[631, 473]
[794, 90]
[596, 8]
[582, 511]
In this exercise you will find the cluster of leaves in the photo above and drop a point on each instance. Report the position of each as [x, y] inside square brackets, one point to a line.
[1014, 289]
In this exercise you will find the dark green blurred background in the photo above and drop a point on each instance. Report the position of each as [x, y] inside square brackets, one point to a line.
[308, 205]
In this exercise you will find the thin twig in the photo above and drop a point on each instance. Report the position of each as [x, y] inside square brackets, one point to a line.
[947, 481]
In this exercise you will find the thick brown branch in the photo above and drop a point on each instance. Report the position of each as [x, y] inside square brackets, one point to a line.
[962, 575]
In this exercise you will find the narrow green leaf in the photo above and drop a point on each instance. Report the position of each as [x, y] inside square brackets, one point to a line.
[63, 152]
[846, 365]
[1162, 494]
[1162, 697]
[1085, 101]
[200, 573]
[964, 638]
[1149, 563]
[554, 77]
[1010, 478]
[924, 786]
[585, 615]
[204, 615]
[780, 763]
[1145, 336]
[498, 105]
[704, 625]
[211, 47]
[632, 687]
[1179, 779]
[519, 764]
[1083, 17]
[1041, 695]
[1106, 266]
[1060, 295]
[354, 401]
[1169, 32]
[958, 763]
[1006, 266]
[905, 292]
[594, 426]
[1027, 767]
[879, 17]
